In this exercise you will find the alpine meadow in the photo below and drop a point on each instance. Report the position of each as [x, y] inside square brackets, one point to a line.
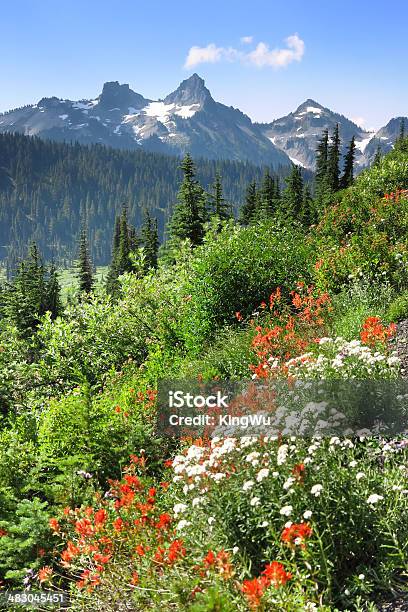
[160, 253]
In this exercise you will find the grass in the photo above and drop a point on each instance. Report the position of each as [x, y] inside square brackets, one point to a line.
[357, 302]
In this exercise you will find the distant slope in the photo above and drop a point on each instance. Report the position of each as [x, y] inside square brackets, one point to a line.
[298, 133]
[385, 138]
[188, 119]
[47, 188]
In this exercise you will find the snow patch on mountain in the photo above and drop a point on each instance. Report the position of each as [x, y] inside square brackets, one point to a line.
[362, 144]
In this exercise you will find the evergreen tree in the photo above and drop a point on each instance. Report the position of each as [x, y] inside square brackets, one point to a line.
[333, 159]
[348, 172]
[84, 269]
[321, 167]
[248, 209]
[308, 213]
[150, 240]
[378, 156]
[218, 206]
[190, 212]
[401, 143]
[267, 204]
[293, 194]
[125, 240]
[53, 293]
[32, 292]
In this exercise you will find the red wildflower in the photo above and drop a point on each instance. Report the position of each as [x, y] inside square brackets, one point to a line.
[84, 527]
[176, 550]
[68, 554]
[299, 471]
[253, 591]
[141, 551]
[209, 559]
[296, 534]
[101, 558]
[118, 524]
[164, 521]
[275, 574]
[374, 331]
[100, 517]
[44, 574]
[54, 524]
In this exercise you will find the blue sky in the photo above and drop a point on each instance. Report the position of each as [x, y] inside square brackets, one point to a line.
[349, 55]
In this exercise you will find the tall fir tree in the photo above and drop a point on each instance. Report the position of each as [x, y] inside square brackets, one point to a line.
[348, 171]
[378, 156]
[401, 143]
[308, 211]
[333, 160]
[33, 291]
[150, 240]
[190, 214]
[266, 201]
[218, 205]
[321, 167]
[53, 302]
[125, 240]
[249, 207]
[293, 194]
[84, 267]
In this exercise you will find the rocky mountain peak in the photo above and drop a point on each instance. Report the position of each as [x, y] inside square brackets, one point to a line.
[115, 95]
[190, 91]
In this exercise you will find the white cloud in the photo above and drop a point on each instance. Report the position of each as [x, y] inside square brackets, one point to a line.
[261, 56]
[210, 54]
[246, 40]
[278, 58]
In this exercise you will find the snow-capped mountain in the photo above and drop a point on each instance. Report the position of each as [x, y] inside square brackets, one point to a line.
[188, 119]
[299, 132]
[385, 137]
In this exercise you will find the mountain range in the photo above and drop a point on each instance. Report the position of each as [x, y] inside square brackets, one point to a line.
[189, 119]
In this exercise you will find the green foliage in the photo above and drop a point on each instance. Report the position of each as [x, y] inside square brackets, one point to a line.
[227, 358]
[237, 269]
[348, 172]
[150, 240]
[364, 234]
[398, 308]
[93, 337]
[190, 214]
[33, 291]
[293, 194]
[219, 207]
[357, 302]
[24, 535]
[85, 272]
[247, 211]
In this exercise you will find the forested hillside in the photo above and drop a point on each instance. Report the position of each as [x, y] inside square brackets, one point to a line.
[98, 505]
[49, 190]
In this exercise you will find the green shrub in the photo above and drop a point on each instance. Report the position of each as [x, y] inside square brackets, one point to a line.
[364, 233]
[398, 309]
[237, 269]
[357, 302]
[228, 357]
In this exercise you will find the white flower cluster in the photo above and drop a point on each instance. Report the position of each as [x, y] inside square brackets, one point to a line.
[338, 357]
